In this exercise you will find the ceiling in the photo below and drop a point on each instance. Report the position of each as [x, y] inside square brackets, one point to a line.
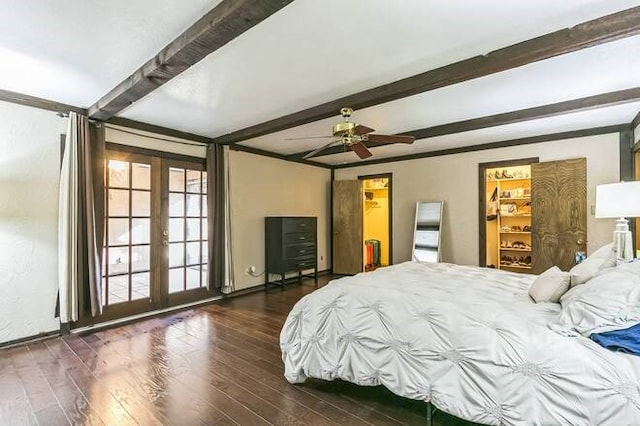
[312, 52]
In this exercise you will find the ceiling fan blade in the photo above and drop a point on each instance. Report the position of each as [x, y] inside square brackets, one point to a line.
[308, 137]
[390, 138]
[361, 130]
[360, 150]
[319, 150]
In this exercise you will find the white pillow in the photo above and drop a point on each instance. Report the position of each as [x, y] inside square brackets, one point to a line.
[604, 257]
[549, 285]
[610, 301]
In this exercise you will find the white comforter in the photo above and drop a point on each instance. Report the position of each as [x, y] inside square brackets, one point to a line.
[468, 339]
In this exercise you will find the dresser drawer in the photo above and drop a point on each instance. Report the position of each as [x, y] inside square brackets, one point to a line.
[300, 250]
[299, 224]
[296, 264]
[299, 237]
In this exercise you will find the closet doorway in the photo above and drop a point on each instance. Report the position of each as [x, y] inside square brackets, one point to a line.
[362, 224]
[376, 221]
[530, 221]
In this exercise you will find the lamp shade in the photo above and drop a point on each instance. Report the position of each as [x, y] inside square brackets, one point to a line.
[618, 200]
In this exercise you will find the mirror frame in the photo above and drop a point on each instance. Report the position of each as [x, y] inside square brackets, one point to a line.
[415, 231]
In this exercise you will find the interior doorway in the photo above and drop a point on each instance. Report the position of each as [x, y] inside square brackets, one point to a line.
[376, 221]
[505, 214]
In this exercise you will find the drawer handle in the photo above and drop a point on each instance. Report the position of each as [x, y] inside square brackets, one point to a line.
[301, 238]
[302, 251]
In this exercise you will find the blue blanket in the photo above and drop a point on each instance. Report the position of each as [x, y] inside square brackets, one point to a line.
[627, 340]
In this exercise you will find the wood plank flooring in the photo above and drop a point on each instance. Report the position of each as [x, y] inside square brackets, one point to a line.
[214, 365]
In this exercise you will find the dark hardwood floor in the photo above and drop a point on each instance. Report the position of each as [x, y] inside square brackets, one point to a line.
[214, 365]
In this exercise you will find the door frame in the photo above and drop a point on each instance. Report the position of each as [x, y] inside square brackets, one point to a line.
[482, 203]
[161, 300]
[390, 204]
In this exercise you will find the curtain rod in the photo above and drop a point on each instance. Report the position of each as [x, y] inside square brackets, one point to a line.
[62, 114]
[183, 142]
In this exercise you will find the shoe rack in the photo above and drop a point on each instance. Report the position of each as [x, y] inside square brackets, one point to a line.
[509, 233]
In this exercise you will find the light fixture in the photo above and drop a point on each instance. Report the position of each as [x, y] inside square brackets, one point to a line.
[619, 200]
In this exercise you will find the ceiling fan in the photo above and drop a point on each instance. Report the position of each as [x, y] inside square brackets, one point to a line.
[354, 136]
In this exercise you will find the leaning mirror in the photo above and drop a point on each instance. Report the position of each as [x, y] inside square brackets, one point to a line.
[426, 236]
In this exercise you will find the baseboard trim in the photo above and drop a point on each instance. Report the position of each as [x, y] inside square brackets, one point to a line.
[30, 339]
[145, 315]
[263, 286]
[64, 328]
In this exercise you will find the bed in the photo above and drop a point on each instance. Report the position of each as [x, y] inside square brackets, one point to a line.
[468, 340]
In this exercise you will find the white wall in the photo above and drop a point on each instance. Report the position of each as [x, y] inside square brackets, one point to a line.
[29, 175]
[454, 179]
[262, 186]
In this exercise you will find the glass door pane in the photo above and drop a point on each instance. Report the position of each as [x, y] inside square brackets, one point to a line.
[186, 231]
[127, 254]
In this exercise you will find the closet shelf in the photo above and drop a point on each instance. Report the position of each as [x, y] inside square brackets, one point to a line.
[515, 215]
[508, 179]
[502, 265]
[514, 198]
[513, 249]
[515, 232]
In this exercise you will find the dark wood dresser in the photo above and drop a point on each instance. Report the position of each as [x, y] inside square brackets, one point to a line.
[291, 245]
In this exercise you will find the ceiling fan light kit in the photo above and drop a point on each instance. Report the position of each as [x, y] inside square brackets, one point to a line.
[354, 136]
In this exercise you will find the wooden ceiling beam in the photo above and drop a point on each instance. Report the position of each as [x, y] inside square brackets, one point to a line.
[588, 34]
[223, 23]
[636, 121]
[35, 102]
[493, 145]
[160, 130]
[566, 107]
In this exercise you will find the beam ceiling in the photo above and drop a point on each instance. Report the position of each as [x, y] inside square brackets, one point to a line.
[588, 34]
[576, 105]
[219, 26]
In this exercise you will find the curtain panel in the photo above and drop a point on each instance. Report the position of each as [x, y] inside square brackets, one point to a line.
[81, 220]
[219, 224]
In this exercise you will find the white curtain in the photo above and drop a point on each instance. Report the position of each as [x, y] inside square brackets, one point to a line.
[68, 226]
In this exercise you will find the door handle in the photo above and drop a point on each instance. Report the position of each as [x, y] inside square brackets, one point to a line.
[165, 242]
[580, 241]
[165, 232]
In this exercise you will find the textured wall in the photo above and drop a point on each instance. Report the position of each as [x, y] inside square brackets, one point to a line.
[262, 186]
[454, 179]
[29, 167]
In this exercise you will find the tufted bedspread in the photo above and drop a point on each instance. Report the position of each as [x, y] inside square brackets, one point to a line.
[467, 339]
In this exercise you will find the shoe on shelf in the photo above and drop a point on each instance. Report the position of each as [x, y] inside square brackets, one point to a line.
[516, 228]
[505, 229]
[526, 228]
[506, 174]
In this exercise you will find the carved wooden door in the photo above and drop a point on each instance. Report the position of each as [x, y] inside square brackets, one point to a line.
[347, 227]
[559, 213]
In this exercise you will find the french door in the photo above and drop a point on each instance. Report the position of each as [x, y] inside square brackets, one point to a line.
[155, 253]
